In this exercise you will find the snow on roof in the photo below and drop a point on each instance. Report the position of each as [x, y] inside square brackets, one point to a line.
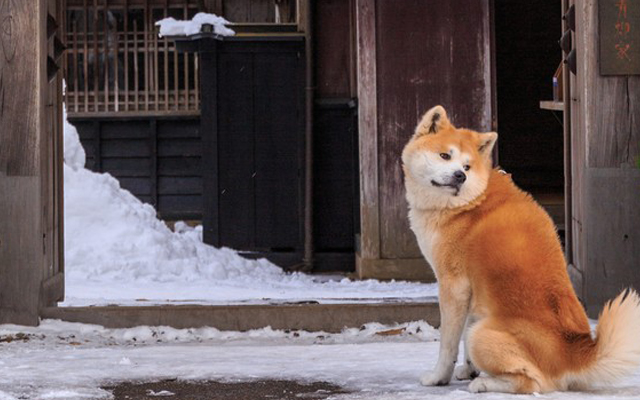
[172, 27]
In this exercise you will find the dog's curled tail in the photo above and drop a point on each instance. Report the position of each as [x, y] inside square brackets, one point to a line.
[616, 353]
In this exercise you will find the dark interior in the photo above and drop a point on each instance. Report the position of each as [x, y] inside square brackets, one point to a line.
[527, 55]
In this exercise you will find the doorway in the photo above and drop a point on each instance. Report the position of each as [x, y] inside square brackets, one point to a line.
[531, 138]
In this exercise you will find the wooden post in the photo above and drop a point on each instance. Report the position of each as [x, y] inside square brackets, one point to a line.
[605, 148]
[29, 173]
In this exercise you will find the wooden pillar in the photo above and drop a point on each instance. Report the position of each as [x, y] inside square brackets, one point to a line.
[410, 59]
[30, 125]
[605, 148]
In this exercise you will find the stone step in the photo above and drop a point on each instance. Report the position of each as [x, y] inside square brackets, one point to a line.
[306, 316]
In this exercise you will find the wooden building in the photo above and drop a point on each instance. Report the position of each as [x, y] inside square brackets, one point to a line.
[31, 235]
[377, 66]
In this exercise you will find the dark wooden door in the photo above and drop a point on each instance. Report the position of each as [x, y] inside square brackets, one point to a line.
[411, 58]
[258, 137]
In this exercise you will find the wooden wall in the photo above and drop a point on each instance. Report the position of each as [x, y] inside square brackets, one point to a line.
[411, 58]
[253, 11]
[159, 160]
[335, 49]
[605, 145]
[30, 164]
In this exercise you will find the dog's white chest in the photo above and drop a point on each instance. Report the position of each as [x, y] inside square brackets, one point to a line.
[424, 228]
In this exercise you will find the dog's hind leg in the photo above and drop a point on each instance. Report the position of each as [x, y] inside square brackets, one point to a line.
[454, 306]
[467, 370]
[499, 354]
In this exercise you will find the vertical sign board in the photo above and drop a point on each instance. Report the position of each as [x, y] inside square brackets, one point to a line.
[619, 32]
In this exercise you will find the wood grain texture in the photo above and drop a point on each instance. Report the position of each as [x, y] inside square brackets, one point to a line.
[333, 48]
[20, 70]
[27, 145]
[21, 249]
[611, 104]
[613, 234]
[368, 129]
[427, 54]
[605, 184]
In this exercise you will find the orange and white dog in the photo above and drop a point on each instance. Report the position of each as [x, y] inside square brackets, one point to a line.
[502, 275]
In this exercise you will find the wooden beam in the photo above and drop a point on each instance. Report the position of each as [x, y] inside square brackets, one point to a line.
[368, 129]
[23, 81]
[409, 269]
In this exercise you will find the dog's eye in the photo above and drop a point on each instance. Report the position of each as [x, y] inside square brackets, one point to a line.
[445, 156]
[467, 167]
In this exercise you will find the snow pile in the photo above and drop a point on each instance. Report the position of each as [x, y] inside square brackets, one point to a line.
[172, 27]
[118, 251]
[74, 155]
[60, 332]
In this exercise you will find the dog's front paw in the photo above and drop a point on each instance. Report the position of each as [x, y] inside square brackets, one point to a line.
[434, 379]
[466, 372]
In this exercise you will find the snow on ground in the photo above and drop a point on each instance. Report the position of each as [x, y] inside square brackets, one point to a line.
[71, 361]
[172, 27]
[118, 252]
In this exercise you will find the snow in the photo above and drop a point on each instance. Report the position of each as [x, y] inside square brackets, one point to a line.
[118, 252]
[172, 27]
[71, 361]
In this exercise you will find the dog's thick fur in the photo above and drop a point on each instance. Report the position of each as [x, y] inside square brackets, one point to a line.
[502, 274]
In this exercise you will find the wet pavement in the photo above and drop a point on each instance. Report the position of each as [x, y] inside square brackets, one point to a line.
[209, 390]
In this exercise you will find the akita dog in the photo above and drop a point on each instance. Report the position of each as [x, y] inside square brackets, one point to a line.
[502, 274]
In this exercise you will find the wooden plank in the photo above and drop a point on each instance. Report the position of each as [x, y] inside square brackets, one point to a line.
[180, 207]
[604, 149]
[23, 95]
[52, 290]
[179, 166]
[85, 56]
[333, 49]
[309, 317]
[126, 148]
[126, 55]
[182, 148]
[278, 98]
[552, 105]
[335, 179]
[613, 234]
[368, 129]
[261, 11]
[21, 252]
[210, 124]
[403, 98]
[614, 140]
[153, 144]
[236, 139]
[408, 269]
[179, 185]
[237, 10]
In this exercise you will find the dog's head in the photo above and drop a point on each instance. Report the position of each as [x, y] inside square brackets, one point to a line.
[446, 167]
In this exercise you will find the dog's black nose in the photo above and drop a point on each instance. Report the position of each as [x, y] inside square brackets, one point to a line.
[460, 177]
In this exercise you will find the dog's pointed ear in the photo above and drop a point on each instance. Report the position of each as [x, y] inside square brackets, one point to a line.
[486, 141]
[433, 121]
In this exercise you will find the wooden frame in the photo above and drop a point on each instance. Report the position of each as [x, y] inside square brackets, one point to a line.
[605, 145]
[31, 240]
[390, 105]
[117, 66]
